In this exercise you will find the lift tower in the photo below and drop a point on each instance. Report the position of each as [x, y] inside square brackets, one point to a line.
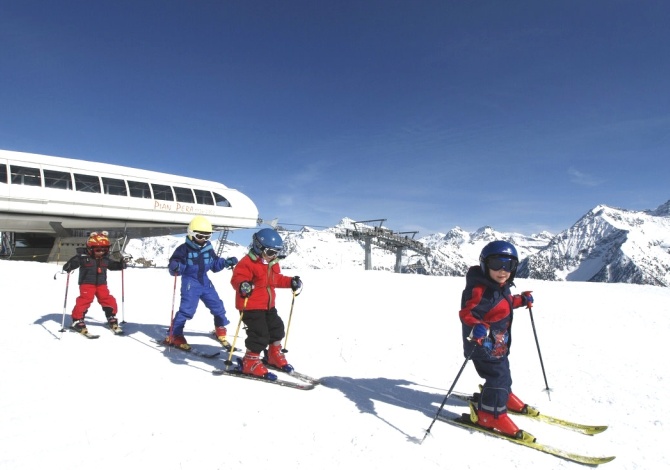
[384, 238]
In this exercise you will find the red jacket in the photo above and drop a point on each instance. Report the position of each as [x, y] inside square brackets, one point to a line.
[264, 277]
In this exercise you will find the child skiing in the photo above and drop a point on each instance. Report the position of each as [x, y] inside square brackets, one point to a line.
[255, 279]
[191, 261]
[93, 266]
[486, 316]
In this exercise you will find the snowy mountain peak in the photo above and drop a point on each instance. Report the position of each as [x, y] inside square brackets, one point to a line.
[605, 245]
[662, 211]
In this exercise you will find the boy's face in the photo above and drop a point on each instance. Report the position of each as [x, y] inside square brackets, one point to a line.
[500, 276]
[99, 252]
[201, 237]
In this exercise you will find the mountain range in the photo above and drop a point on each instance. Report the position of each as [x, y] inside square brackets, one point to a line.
[607, 244]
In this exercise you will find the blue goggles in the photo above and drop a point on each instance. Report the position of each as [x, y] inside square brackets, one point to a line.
[497, 263]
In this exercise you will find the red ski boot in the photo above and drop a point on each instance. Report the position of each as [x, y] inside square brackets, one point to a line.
[177, 341]
[275, 357]
[515, 404]
[503, 424]
[252, 365]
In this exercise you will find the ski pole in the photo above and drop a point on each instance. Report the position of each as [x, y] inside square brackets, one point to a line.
[451, 389]
[174, 295]
[537, 343]
[123, 298]
[62, 323]
[288, 327]
[229, 362]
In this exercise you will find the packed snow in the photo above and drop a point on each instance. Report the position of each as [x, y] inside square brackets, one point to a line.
[387, 347]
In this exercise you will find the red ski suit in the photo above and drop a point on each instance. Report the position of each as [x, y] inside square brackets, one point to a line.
[264, 277]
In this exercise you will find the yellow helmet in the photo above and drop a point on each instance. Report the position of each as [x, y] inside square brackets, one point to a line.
[199, 224]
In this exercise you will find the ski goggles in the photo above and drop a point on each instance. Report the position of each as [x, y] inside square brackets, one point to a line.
[100, 250]
[498, 263]
[270, 252]
[202, 236]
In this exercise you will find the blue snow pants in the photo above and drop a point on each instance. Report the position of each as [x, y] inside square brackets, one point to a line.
[497, 384]
[191, 293]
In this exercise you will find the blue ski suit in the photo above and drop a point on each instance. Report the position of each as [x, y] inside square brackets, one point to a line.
[192, 262]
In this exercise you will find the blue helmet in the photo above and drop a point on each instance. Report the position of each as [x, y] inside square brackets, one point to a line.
[498, 248]
[267, 238]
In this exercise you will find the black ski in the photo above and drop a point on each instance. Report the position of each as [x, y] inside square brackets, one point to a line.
[295, 374]
[235, 372]
[193, 351]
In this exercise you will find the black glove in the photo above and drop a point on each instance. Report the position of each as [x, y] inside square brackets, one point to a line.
[296, 283]
[245, 289]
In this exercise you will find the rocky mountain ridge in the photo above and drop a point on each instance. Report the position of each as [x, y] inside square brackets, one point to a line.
[605, 245]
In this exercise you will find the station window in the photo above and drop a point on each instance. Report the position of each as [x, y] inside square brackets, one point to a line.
[162, 192]
[114, 186]
[87, 183]
[184, 194]
[25, 175]
[203, 197]
[57, 179]
[3, 173]
[138, 189]
[221, 201]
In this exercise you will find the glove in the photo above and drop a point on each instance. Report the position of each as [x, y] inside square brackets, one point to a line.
[245, 289]
[126, 257]
[296, 283]
[527, 298]
[175, 269]
[230, 262]
[479, 333]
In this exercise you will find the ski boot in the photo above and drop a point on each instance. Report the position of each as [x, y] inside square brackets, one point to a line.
[220, 334]
[275, 357]
[178, 341]
[515, 404]
[252, 365]
[502, 424]
[112, 322]
[79, 326]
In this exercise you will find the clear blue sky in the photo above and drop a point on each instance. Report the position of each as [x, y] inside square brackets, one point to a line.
[522, 115]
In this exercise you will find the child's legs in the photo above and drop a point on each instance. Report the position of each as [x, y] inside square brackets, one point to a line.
[105, 299]
[84, 301]
[258, 336]
[190, 296]
[214, 303]
[275, 326]
[498, 382]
